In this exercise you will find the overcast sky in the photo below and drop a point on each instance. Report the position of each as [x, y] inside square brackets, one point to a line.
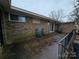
[44, 7]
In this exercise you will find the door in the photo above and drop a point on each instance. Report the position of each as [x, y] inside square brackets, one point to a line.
[50, 27]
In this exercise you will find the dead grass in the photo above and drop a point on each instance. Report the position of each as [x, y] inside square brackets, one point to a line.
[32, 46]
[36, 44]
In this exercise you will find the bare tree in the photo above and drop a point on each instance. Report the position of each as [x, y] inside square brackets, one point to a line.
[75, 12]
[74, 15]
[71, 16]
[57, 15]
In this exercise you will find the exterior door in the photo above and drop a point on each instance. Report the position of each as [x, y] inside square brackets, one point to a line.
[51, 27]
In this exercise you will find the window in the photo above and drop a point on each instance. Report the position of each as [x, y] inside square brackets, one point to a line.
[17, 18]
[14, 17]
[22, 18]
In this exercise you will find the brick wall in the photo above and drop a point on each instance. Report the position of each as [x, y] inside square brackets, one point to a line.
[24, 30]
[68, 27]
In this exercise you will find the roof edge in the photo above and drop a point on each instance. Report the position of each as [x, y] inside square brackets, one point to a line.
[32, 13]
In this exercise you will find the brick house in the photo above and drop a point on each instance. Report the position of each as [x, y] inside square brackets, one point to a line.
[19, 24]
[68, 27]
[22, 22]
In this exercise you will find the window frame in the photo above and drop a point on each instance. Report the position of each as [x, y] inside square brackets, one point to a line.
[16, 20]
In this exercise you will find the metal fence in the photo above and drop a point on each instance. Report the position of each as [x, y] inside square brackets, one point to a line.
[65, 46]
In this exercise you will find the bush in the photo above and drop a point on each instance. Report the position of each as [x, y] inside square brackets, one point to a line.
[39, 32]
